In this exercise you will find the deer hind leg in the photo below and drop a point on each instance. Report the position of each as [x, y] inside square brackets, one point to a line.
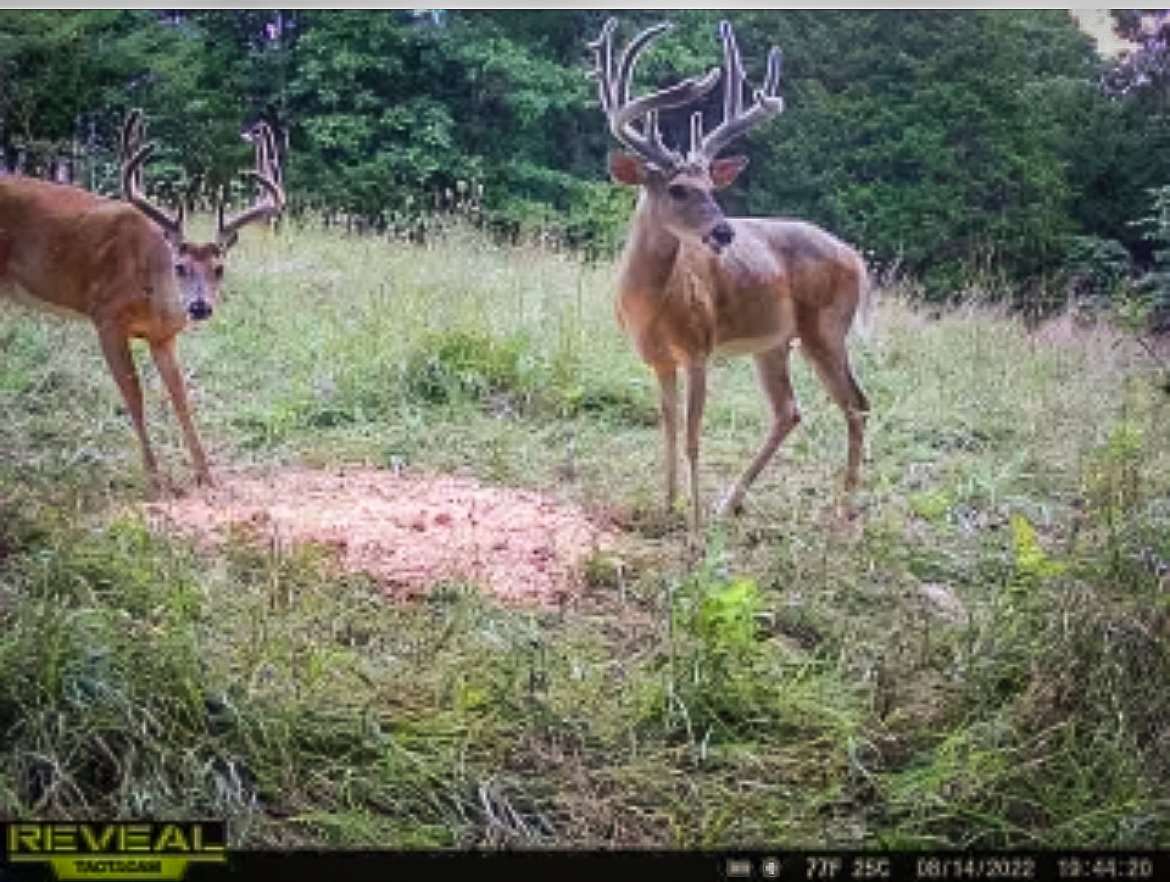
[163, 353]
[830, 358]
[116, 349]
[668, 402]
[772, 370]
[696, 399]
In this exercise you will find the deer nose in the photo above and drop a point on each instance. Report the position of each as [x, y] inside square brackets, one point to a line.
[722, 234]
[199, 310]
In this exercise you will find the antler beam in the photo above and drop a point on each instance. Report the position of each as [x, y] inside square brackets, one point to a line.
[736, 121]
[134, 154]
[621, 112]
[268, 175]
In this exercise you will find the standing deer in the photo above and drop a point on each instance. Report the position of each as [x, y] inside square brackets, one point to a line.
[693, 282]
[128, 267]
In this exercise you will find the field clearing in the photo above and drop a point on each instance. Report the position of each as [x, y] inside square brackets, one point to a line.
[979, 658]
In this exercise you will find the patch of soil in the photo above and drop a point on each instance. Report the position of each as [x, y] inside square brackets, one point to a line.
[408, 532]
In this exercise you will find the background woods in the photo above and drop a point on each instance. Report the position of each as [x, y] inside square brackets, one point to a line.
[937, 140]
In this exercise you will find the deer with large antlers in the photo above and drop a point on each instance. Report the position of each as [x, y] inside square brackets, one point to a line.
[693, 283]
[128, 266]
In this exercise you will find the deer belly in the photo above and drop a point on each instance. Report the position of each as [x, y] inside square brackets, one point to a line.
[15, 284]
[750, 345]
[10, 290]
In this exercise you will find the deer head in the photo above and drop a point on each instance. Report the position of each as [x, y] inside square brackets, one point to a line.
[679, 189]
[199, 266]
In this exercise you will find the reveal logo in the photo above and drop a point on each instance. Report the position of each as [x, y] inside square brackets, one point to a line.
[116, 850]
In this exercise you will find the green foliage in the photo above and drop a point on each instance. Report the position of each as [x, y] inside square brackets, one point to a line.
[465, 365]
[70, 78]
[724, 619]
[935, 140]
[1057, 684]
[937, 121]
[1096, 268]
[1113, 474]
[507, 376]
[931, 505]
[530, 200]
[722, 683]
[1155, 284]
[117, 677]
[1031, 562]
[373, 138]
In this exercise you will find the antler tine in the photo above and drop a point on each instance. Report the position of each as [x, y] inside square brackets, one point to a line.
[268, 175]
[133, 134]
[696, 131]
[630, 58]
[602, 49]
[766, 100]
[134, 154]
[267, 162]
[621, 111]
[733, 75]
[272, 156]
[655, 135]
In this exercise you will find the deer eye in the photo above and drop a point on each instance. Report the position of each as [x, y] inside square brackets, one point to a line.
[180, 269]
[677, 191]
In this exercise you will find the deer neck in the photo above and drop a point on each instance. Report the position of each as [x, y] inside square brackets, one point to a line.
[650, 255]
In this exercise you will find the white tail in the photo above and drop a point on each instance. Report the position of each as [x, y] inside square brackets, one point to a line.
[866, 316]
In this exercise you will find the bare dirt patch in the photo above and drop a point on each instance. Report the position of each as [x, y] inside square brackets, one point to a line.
[409, 532]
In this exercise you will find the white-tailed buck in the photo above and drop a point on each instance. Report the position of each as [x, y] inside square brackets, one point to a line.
[693, 283]
[127, 266]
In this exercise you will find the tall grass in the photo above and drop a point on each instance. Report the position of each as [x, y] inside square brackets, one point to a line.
[979, 658]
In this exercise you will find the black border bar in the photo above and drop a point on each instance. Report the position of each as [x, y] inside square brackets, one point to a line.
[825, 865]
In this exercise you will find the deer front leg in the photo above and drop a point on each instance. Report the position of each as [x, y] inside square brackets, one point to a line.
[696, 398]
[772, 372]
[163, 353]
[116, 349]
[668, 401]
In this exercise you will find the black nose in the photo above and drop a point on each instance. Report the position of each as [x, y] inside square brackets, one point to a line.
[199, 310]
[722, 234]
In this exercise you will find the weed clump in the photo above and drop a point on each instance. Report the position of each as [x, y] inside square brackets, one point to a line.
[507, 375]
[725, 680]
[1060, 712]
[110, 716]
[463, 365]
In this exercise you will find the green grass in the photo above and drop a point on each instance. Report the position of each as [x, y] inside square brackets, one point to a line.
[979, 659]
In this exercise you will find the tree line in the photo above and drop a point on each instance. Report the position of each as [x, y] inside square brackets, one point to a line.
[937, 140]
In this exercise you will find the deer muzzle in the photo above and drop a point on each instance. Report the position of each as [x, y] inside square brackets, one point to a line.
[720, 237]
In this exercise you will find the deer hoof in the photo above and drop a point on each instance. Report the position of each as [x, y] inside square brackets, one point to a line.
[730, 506]
[158, 489]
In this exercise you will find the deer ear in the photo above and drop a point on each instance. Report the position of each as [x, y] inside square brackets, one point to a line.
[724, 171]
[625, 168]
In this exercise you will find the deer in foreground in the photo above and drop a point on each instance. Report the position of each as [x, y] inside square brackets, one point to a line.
[693, 283]
[128, 266]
